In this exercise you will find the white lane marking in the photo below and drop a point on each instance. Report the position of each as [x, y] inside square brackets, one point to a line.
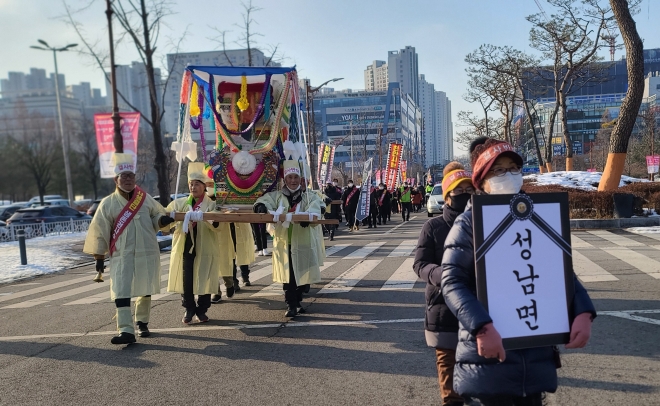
[364, 251]
[589, 271]
[404, 249]
[275, 289]
[645, 264]
[347, 280]
[390, 231]
[207, 327]
[6, 294]
[90, 299]
[403, 278]
[577, 242]
[55, 296]
[629, 314]
[616, 239]
[335, 249]
[46, 288]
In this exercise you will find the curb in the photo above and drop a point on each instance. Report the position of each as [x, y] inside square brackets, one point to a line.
[615, 223]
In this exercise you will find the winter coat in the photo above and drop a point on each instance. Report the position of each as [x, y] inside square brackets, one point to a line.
[304, 247]
[214, 251]
[387, 200]
[332, 211]
[135, 265]
[373, 203]
[350, 206]
[523, 372]
[427, 265]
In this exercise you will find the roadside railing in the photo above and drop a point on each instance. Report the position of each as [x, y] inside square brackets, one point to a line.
[8, 233]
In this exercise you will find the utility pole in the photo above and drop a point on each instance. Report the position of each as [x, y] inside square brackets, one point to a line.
[65, 139]
[117, 139]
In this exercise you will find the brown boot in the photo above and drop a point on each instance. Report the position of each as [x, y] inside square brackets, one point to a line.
[445, 360]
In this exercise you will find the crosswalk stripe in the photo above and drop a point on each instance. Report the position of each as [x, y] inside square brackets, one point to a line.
[335, 249]
[90, 299]
[577, 242]
[275, 289]
[616, 238]
[364, 251]
[45, 288]
[403, 278]
[404, 249]
[589, 271]
[640, 261]
[347, 280]
[55, 296]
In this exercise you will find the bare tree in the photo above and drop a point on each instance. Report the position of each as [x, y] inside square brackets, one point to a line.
[630, 106]
[475, 127]
[571, 38]
[141, 23]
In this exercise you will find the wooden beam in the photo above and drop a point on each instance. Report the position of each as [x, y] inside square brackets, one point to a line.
[253, 218]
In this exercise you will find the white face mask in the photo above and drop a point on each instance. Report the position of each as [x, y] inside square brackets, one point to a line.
[506, 184]
[209, 191]
[334, 183]
[350, 185]
[381, 187]
[294, 190]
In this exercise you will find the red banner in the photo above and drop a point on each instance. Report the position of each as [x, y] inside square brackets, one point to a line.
[404, 169]
[130, 125]
[393, 162]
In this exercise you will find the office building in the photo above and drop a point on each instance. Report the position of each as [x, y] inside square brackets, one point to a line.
[133, 84]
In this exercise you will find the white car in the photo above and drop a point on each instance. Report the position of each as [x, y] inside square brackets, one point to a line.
[435, 202]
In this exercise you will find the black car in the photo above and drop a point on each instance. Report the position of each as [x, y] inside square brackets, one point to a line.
[43, 214]
[8, 211]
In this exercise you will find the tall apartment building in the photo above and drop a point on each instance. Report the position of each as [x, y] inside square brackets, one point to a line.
[443, 146]
[376, 76]
[427, 107]
[402, 67]
[176, 64]
[32, 84]
[132, 83]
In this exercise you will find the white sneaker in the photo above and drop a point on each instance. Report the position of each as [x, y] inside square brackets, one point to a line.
[265, 252]
[260, 253]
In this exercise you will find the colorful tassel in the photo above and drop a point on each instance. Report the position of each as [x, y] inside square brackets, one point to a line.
[194, 105]
[185, 87]
[243, 103]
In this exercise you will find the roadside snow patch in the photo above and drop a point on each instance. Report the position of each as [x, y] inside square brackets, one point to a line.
[44, 256]
[644, 230]
[576, 179]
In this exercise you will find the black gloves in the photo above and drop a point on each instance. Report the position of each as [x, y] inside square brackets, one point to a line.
[166, 220]
[260, 208]
[99, 265]
[304, 224]
[322, 210]
[216, 224]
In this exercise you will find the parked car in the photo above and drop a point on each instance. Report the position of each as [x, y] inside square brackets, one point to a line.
[435, 201]
[7, 211]
[93, 207]
[54, 202]
[82, 205]
[37, 199]
[46, 214]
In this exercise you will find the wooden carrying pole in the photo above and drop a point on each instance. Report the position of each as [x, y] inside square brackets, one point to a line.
[254, 218]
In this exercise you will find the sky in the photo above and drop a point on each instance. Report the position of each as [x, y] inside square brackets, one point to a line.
[324, 39]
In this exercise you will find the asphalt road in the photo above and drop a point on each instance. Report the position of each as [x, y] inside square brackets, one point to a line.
[361, 341]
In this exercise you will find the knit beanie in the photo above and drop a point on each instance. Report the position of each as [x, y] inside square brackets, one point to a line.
[453, 174]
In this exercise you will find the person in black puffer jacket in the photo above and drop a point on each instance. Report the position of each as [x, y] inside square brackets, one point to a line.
[486, 374]
[440, 325]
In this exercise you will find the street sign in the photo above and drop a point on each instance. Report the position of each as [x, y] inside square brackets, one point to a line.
[653, 163]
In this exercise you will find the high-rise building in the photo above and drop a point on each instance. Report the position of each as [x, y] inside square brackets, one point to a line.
[376, 76]
[133, 84]
[443, 147]
[402, 67]
[176, 64]
[427, 106]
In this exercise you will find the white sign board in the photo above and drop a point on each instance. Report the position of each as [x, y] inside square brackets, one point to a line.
[524, 266]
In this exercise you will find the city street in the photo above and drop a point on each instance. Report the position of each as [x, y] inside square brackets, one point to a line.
[360, 342]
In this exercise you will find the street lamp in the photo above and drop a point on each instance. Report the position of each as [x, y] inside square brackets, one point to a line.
[311, 126]
[65, 141]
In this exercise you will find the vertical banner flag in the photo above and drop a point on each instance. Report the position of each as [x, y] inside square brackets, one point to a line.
[653, 163]
[378, 177]
[393, 161]
[326, 159]
[130, 126]
[404, 169]
[365, 192]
